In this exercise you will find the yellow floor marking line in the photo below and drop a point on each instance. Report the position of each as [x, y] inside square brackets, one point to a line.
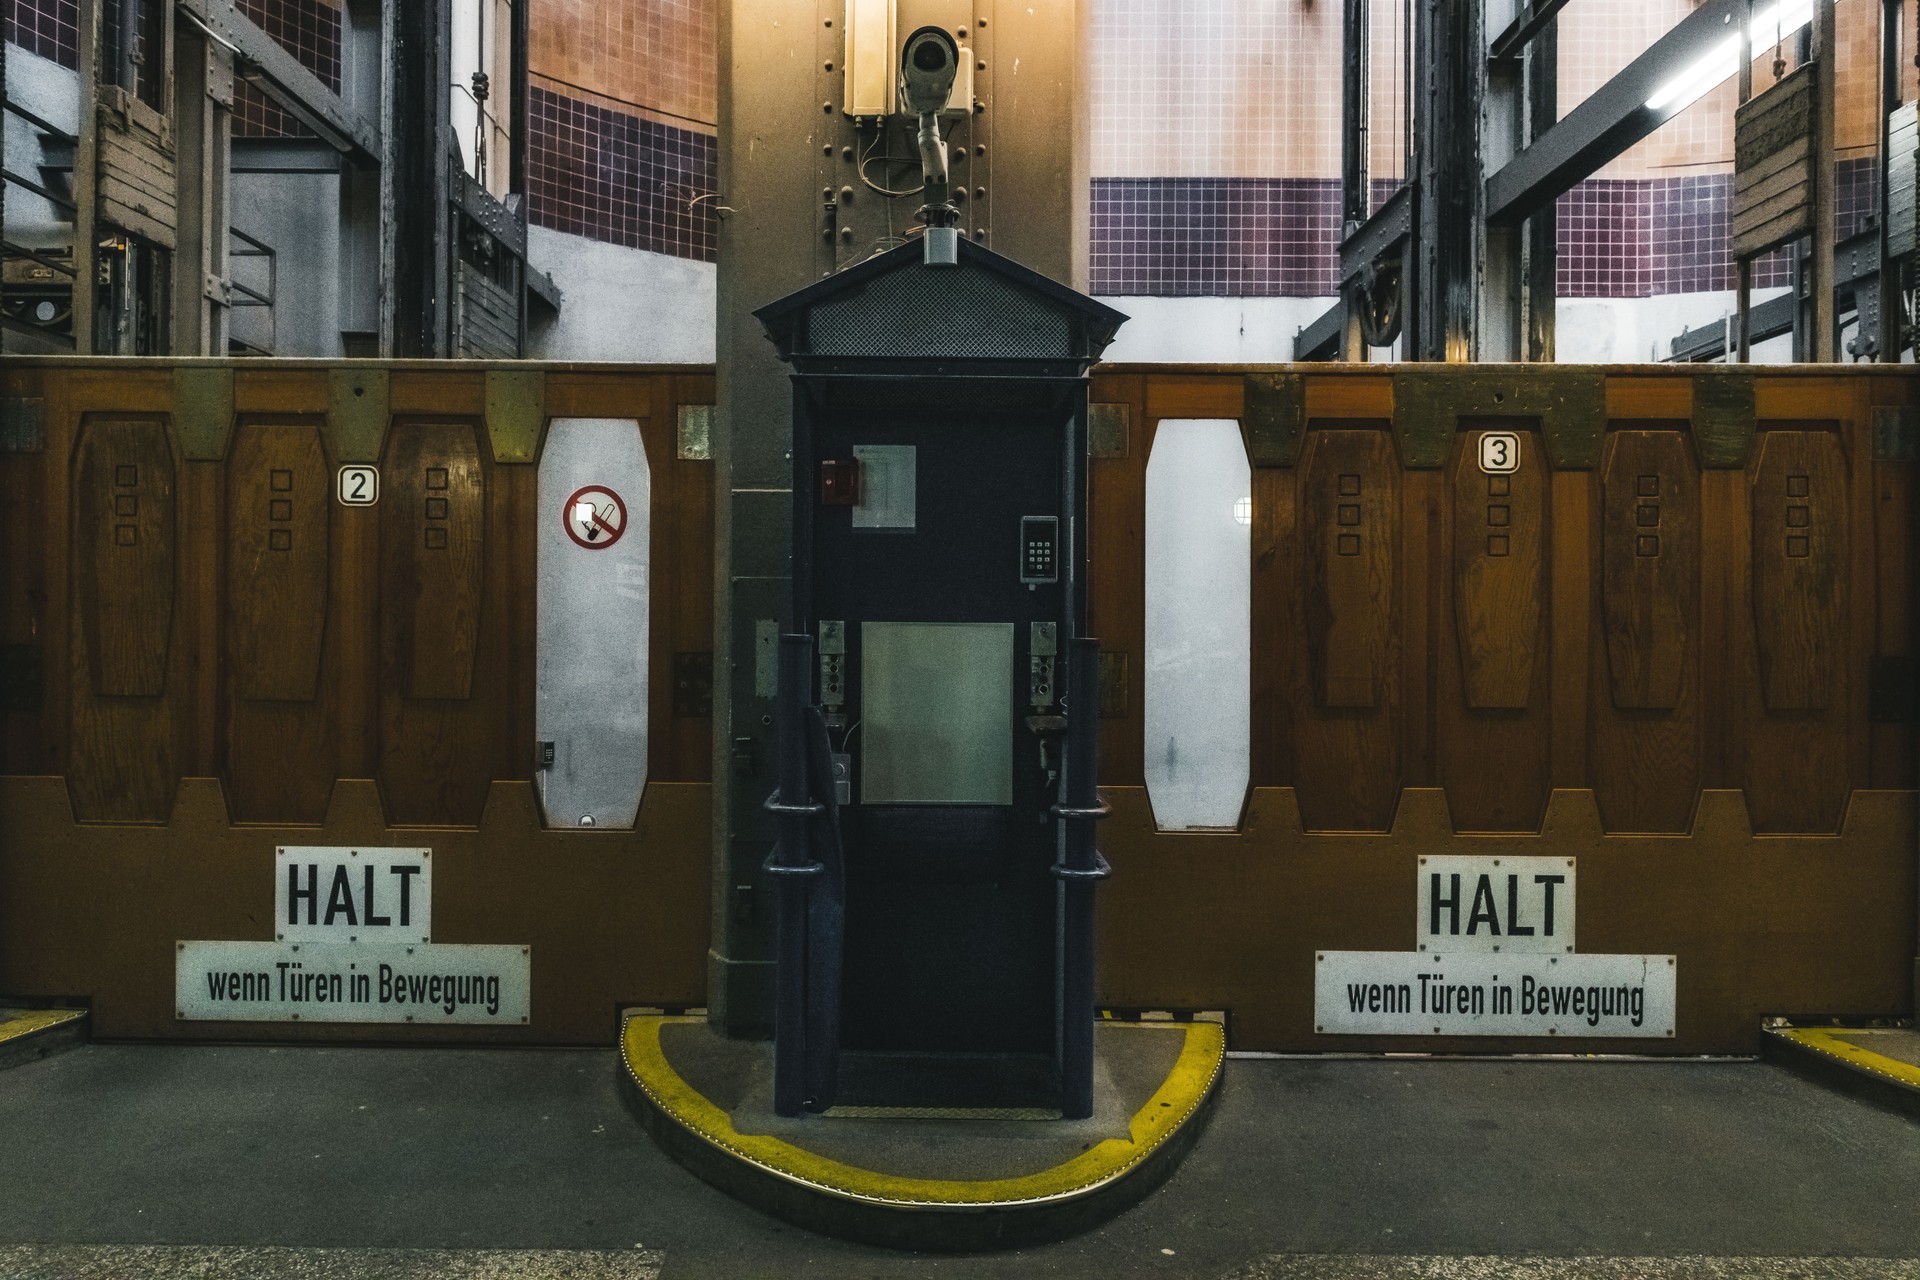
[1178, 1097]
[23, 1022]
[1829, 1042]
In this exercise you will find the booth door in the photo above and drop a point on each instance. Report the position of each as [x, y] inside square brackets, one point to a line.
[932, 583]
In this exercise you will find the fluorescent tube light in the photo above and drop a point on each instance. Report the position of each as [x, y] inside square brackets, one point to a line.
[1770, 26]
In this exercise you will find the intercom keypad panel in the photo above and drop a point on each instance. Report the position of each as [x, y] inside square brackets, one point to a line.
[1039, 549]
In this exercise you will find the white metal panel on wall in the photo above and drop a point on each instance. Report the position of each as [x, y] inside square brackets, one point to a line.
[590, 698]
[1199, 593]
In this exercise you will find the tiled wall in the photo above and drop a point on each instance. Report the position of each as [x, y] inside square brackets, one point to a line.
[620, 144]
[310, 31]
[660, 55]
[608, 174]
[50, 28]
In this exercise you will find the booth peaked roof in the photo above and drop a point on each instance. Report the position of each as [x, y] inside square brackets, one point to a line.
[893, 311]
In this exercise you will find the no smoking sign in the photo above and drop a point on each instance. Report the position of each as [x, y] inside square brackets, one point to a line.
[595, 517]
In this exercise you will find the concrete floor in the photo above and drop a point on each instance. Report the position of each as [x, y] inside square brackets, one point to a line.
[347, 1163]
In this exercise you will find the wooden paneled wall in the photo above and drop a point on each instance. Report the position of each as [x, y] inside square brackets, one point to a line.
[1677, 643]
[1683, 628]
[201, 612]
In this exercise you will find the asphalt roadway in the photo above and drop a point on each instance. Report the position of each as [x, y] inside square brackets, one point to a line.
[134, 1160]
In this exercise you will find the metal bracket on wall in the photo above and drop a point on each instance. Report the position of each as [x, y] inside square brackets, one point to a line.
[1896, 434]
[1108, 427]
[1571, 406]
[1723, 418]
[203, 411]
[1275, 416]
[23, 424]
[358, 407]
[516, 413]
[694, 442]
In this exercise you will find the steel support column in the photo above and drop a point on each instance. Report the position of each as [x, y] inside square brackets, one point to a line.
[1451, 56]
[1891, 337]
[1355, 140]
[203, 107]
[417, 158]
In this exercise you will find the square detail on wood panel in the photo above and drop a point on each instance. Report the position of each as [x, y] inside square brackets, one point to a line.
[281, 481]
[1798, 486]
[436, 539]
[280, 539]
[1349, 513]
[1799, 517]
[1349, 486]
[1648, 544]
[1499, 486]
[1648, 486]
[1349, 544]
[126, 535]
[436, 508]
[436, 477]
[1799, 548]
[280, 509]
[126, 475]
[1647, 516]
[1499, 515]
[126, 504]
[1497, 544]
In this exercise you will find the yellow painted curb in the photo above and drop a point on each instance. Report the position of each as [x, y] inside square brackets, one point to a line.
[1178, 1097]
[27, 1021]
[1828, 1042]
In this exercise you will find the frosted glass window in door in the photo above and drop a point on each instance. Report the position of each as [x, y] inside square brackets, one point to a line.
[1198, 668]
[936, 713]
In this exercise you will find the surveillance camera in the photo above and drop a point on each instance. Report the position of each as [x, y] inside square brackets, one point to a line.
[928, 64]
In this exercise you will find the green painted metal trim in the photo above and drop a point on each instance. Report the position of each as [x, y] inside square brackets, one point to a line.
[1109, 427]
[516, 413]
[1723, 418]
[1275, 417]
[203, 411]
[694, 441]
[1570, 405]
[23, 424]
[1896, 434]
[358, 407]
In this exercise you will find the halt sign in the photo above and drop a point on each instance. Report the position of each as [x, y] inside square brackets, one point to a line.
[1495, 957]
[328, 894]
[1496, 904]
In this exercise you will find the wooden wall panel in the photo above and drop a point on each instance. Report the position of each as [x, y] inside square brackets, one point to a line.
[1800, 568]
[433, 556]
[1645, 709]
[1493, 724]
[438, 739]
[278, 604]
[125, 527]
[1347, 726]
[32, 592]
[278, 504]
[124, 534]
[1797, 760]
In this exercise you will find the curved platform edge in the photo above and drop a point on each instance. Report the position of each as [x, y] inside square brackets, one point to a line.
[1827, 1056]
[871, 1207]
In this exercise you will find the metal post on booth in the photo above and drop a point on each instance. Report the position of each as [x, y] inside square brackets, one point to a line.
[796, 871]
[1080, 867]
